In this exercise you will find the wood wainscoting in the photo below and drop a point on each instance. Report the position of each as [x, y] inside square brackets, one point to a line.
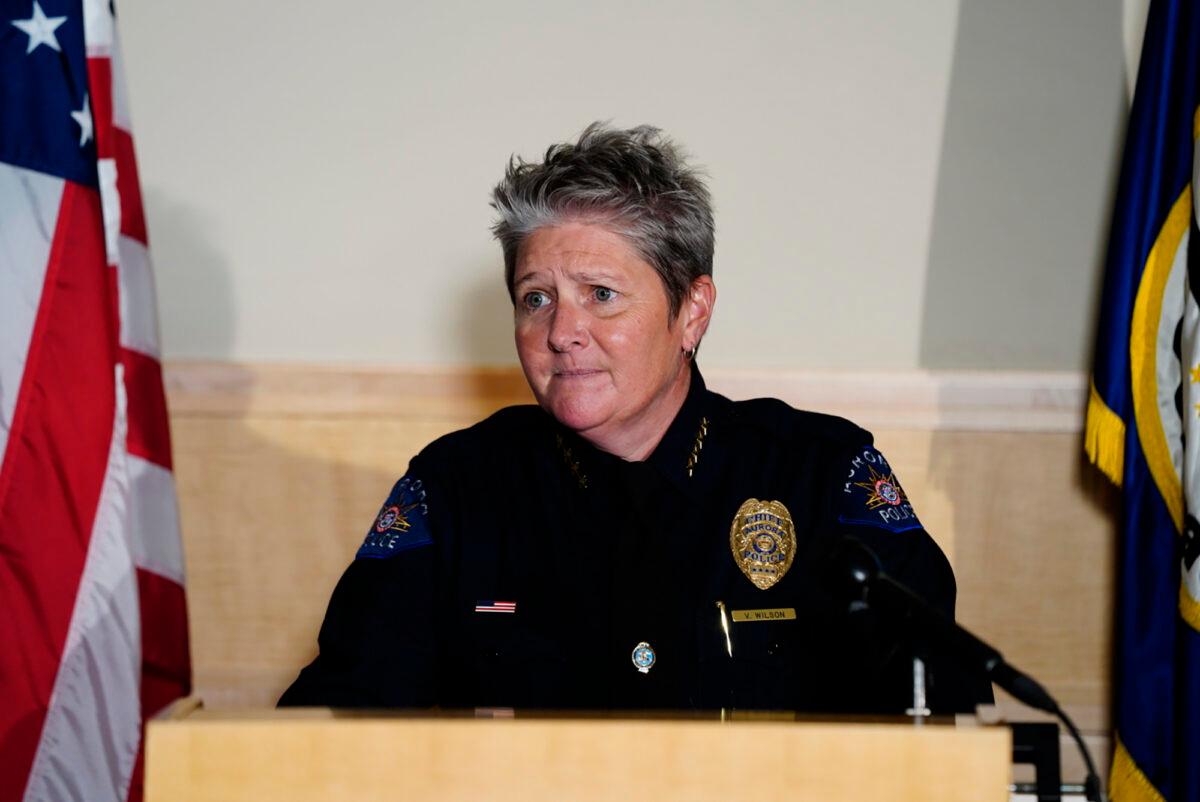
[281, 469]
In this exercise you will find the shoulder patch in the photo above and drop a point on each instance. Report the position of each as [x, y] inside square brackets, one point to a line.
[402, 523]
[872, 496]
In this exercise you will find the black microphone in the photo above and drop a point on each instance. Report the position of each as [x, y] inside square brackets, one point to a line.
[861, 576]
[858, 577]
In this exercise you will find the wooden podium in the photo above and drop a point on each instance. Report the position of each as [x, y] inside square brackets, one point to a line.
[193, 755]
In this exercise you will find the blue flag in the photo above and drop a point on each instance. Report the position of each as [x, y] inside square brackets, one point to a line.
[1143, 421]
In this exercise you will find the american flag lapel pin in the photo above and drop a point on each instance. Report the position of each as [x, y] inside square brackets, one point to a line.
[496, 607]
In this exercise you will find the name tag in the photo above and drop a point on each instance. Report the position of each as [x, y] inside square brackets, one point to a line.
[775, 614]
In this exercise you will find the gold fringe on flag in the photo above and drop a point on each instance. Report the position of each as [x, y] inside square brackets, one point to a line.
[1189, 608]
[1104, 438]
[1126, 783]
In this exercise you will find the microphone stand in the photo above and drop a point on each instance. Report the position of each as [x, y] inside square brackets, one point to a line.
[863, 577]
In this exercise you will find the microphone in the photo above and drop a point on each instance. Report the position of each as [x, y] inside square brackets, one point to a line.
[862, 579]
[858, 577]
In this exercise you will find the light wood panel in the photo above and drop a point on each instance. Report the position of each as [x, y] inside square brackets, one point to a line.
[298, 757]
[281, 470]
[273, 510]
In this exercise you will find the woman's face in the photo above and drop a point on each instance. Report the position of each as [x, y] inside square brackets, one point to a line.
[594, 333]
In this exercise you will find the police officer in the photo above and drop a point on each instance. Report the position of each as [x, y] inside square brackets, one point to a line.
[634, 540]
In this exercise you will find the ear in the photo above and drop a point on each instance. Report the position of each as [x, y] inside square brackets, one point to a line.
[696, 311]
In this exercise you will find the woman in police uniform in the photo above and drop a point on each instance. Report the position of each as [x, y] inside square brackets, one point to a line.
[634, 540]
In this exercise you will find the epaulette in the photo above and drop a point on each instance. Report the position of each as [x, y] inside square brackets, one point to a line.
[787, 423]
[502, 425]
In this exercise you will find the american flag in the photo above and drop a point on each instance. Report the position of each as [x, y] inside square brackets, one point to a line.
[93, 624]
[496, 607]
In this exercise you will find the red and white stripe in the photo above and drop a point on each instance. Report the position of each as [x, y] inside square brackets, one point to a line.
[496, 607]
[91, 568]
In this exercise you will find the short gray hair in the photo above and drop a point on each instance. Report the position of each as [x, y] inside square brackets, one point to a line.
[634, 182]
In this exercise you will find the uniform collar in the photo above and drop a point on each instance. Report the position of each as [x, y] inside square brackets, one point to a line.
[681, 449]
[679, 457]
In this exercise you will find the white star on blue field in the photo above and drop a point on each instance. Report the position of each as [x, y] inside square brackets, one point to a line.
[45, 104]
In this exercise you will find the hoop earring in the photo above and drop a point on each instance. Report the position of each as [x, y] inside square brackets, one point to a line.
[689, 354]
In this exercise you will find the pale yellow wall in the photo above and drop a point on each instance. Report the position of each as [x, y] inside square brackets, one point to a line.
[898, 185]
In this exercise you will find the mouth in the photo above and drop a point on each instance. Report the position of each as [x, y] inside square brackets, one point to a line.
[576, 373]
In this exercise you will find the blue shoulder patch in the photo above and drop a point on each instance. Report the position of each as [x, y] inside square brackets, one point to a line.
[872, 496]
[402, 523]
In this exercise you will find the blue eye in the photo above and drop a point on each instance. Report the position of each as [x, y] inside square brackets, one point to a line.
[535, 300]
[604, 294]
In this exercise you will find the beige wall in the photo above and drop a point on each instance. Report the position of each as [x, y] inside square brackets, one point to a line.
[898, 185]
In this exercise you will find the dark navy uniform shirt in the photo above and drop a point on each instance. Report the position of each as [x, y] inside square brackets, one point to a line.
[514, 565]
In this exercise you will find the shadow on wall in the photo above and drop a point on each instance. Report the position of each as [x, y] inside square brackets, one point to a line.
[484, 323]
[1030, 152]
[272, 505]
[195, 294]
[1031, 149]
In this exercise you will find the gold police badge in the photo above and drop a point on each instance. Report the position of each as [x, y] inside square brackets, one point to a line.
[763, 541]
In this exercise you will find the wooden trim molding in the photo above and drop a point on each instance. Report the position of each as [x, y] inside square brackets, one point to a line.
[1000, 401]
[1018, 401]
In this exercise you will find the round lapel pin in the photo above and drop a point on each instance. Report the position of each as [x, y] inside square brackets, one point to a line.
[643, 657]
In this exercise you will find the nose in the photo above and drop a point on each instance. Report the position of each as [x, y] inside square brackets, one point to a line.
[568, 329]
